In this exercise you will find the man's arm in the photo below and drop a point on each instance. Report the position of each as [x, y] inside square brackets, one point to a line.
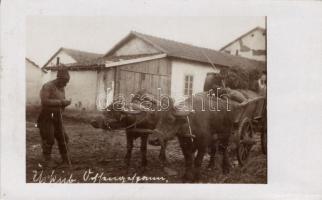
[45, 100]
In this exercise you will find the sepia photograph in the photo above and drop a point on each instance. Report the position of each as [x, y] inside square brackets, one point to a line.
[146, 100]
[141, 99]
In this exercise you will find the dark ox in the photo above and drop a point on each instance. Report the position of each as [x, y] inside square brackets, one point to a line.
[137, 122]
[209, 121]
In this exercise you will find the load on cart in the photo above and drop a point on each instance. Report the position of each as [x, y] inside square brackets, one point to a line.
[248, 90]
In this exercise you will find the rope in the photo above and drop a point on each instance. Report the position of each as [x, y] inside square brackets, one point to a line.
[190, 132]
[213, 66]
[62, 130]
[134, 124]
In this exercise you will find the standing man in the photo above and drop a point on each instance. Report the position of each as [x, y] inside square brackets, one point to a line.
[53, 102]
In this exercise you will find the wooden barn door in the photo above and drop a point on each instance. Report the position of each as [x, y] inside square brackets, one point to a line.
[127, 84]
[149, 75]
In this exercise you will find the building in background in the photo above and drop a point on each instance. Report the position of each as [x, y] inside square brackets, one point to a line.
[82, 85]
[141, 61]
[34, 81]
[250, 45]
[68, 56]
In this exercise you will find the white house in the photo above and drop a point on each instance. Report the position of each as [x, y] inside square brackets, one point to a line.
[249, 45]
[141, 61]
[34, 76]
[69, 56]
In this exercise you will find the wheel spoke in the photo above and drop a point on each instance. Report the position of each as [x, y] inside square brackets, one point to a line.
[242, 155]
[248, 131]
[246, 135]
[241, 150]
[245, 154]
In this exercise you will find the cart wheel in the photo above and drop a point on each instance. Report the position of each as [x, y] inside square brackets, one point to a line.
[245, 133]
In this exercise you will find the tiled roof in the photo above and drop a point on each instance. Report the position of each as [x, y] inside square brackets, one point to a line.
[77, 55]
[194, 53]
[81, 56]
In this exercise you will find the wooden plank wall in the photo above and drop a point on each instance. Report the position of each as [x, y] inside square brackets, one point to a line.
[149, 75]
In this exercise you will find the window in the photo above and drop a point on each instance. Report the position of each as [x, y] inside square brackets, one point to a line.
[188, 85]
[236, 52]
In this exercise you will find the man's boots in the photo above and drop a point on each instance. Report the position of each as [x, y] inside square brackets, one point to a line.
[65, 161]
[48, 162]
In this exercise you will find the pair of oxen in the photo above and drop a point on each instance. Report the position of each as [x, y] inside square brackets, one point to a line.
[200, 123]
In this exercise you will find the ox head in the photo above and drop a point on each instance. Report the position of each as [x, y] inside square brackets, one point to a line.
[171, 122]
[121, 114]
[114, 117]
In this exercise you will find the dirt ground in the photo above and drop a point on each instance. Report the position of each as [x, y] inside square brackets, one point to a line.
[97, 157]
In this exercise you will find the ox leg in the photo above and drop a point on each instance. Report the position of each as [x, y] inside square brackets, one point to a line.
[198, 161]
[213, 149]
[144, 143]
[187, 150]
[129, 147]
[225, 162]
[162, 155]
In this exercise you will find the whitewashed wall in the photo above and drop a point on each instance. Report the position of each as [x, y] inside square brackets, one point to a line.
[34, 77]
[255, 40]
[82, 89]
[180, 68]
[47, 77]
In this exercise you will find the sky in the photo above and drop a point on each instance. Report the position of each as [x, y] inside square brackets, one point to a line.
[46, 34]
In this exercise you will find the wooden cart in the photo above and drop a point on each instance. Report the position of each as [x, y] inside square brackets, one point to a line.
[249, 118]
